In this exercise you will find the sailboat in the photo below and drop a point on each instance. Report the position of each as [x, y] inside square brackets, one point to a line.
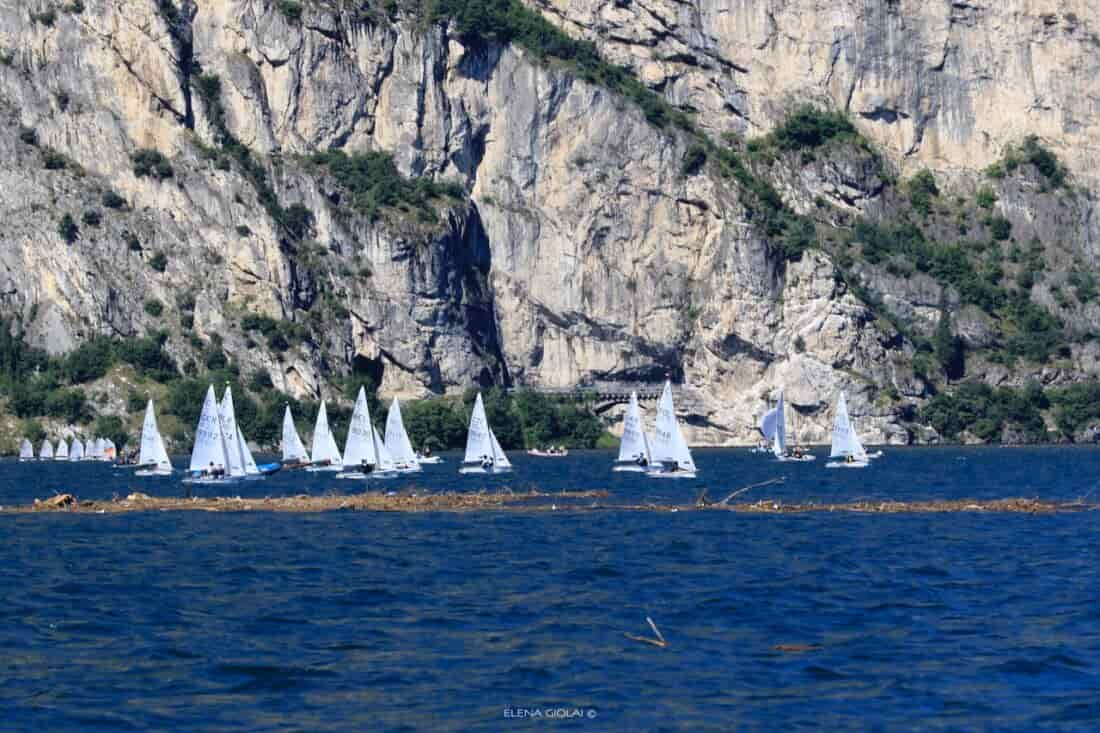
[45, 453]
[294, 453]
[152, 456]
[364, 453]
[634, 450]
[99, 448]
[62, 451]
[774, 427]
[26, 451]
[76, 450]
[326, 454]
[110, 452]
[483, 451]
[397, 440]
[209, 456]
[670, 450]
[846, 443]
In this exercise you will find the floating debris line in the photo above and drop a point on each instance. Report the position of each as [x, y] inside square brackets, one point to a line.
[526, 501]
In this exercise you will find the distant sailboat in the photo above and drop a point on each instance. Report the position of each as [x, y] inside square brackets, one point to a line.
[774, 427]
[670, 449]
[326, 454]
[99, 449]
[397, 440]
[846, 443]
[109, 450]
[76, 450]
[209, 459]
[483, 451]
[634, 450]
[363, 454]
[61, 453]
[294, 453]
[152, 456]
[26, 450]
[45, 453]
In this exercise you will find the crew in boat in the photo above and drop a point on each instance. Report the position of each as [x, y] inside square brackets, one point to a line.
[641, 460]
[427, 452]
[366, 467]
[486, 462]
[213, 471]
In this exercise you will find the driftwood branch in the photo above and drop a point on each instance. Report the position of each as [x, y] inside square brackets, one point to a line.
[737, 493]
[658, 642]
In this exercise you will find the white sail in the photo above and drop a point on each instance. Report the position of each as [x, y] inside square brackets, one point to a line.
[96, 449]
[478, 443]
[209, 447]
[26, 450]
[160, 455]
[62, 451]
[845, 442]
[109, 450]
[386, 460]
[779, 440]
[250, 467]
[397, 440]
[147, 453]
[500, 460]
[360, 446]
[230, 435]
[669, 445]
[45, 453]
[76, 450]
[768, 423]
[324, 449]
[634, 443]
[293, 450]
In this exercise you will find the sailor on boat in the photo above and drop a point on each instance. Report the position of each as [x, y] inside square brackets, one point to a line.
[213, 471]
[365, 466]
[641, 460]
[487, 462]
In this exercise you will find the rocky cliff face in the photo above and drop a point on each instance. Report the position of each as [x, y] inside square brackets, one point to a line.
[581, 251]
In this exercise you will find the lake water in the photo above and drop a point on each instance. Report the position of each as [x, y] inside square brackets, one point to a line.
[454, 622]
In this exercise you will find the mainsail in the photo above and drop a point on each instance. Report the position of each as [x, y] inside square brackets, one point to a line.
[479, 444]
[397, 440]
[231, 435]
[845, 441]
[62, 451]
[209, 447]
[325, 449]
[634, 443]
[500, 460]
[45, 453]
[293, 450]
[669, 445]
[360, 446]
[779, 439]
[26, 450]
[147, 453]
[76, 450]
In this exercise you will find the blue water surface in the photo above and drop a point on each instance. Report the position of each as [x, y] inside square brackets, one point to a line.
[493, 621]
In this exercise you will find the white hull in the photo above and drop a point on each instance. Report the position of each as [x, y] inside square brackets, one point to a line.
[670, 474]
[204, 480]
[429, 461]
[876, 454]
[319, 469]
[631, 468]
[479, 469]
[793, 459]
[365, 476]
[152, 472]
[845, 464]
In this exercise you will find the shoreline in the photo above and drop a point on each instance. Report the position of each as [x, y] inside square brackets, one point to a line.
[453, 502]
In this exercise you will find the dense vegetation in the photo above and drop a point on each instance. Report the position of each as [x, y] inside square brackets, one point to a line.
[373, 183]
[987, 412]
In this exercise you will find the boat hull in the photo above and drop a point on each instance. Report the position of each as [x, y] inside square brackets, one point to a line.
[631, 468]
[152, 472]
[429, 461]
[479, 469]
[323, 469]
[359, 475]
[671, 474]
[793, 459]
[845, 464]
